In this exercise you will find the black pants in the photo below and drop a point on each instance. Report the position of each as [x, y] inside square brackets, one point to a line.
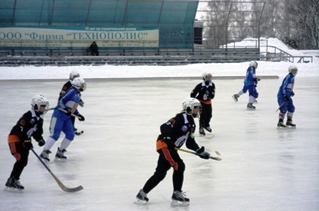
[206, 115]
[73, 121]
[19, 165]
[163, 165]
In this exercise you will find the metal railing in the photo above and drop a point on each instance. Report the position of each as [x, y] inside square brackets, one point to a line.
[273, 53]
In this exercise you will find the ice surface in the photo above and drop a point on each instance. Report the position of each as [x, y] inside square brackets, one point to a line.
[263, 168]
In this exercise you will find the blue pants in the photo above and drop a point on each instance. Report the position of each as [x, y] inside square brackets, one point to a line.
[60, 122]
[286, 105]
[251, 90]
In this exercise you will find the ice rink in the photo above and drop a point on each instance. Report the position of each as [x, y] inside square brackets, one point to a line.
[263, 168]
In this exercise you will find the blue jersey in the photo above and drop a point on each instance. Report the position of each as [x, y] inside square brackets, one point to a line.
[69, 99]
[286, 86]
[250, 77]
[60, 121]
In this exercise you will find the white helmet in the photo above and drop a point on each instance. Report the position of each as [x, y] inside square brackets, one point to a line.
[292, 67]
[79, 83]
[253, 64]
[190, 103]
[38, 101]
[74, 74]
[205, 74]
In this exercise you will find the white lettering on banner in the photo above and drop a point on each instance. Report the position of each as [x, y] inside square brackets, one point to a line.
[106, 37]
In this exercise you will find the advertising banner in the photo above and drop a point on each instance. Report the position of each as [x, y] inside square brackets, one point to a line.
[81, 37]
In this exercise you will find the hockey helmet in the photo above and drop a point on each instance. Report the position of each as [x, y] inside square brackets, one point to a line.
[190, 104]
[206, 74]
[39, 101]
[293, 69]
[74, 74]
[79, 83]
[253, 64]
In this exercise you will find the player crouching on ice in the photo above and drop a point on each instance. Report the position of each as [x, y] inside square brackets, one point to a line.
[285, 95]
[61, 120]
[174, 134]
[29, 125]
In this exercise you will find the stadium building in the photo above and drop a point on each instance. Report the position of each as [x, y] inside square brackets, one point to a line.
[113, 24]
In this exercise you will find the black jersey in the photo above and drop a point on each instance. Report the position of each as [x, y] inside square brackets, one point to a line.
[204, 93]
[180, 129]
[29, 125]
[66, 87]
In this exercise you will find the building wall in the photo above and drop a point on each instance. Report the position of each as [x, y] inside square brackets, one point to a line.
[114, 24]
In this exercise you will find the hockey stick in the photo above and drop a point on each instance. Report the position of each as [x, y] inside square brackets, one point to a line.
[280, 106]
[218, 158]
[61, 109]
[49, 109]
[63, 187]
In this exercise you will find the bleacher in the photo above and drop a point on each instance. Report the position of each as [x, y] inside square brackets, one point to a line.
[64, 57]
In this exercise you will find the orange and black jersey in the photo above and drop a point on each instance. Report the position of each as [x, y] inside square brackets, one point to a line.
[29, 125]
[204, 93]
[180, 129]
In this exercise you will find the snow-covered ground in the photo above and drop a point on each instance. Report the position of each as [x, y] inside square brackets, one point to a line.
[194, 70]
[263, 168]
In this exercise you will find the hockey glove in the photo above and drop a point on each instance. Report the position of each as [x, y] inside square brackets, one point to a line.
[41, 142]
[28, 144]
[175, 166]
[81, 103]
[167, 140]
[17, 156]
[68, 113]
[80, 117]
[286, 98]
[292, 94]
[202, 154]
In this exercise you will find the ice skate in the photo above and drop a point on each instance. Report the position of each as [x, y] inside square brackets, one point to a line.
[209, 129]
[13, 184]
[60, 154]
[201, 131]
[281, 124]
[250, 106]
[235, 97]
[141, 197]
[178, 198]
[45, 155]
[290, 123]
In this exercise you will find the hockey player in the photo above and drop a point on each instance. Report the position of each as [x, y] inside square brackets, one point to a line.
[19, 139]
[250, 84]
[205, 92]
[61, 120]
[174, 133]
[66, 87]
[285, 95]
